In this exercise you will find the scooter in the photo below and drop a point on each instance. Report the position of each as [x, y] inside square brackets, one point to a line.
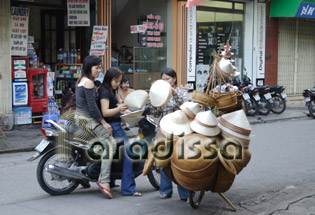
[264, 105]
[70, 159]
[279, 99]
[309, 96]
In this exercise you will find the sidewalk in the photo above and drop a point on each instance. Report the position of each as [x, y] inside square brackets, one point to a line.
[27, 137]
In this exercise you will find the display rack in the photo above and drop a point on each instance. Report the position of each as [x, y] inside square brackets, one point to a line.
[147, 65]
[65, 73]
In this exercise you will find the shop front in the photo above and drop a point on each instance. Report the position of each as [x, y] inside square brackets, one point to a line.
[295, 65]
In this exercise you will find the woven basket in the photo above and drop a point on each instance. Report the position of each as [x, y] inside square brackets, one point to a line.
[206, 183]
[239, 164]
[203, 99]
[227, 102]
[224, 180]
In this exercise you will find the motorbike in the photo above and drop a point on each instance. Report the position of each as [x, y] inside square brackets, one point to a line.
[264, 105]
[279, 99]
[78, 161]
[309, 97]
[250, 98]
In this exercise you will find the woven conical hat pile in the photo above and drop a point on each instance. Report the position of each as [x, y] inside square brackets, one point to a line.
[236, 126]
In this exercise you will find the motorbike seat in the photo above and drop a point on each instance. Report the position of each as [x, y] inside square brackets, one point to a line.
[275, 88]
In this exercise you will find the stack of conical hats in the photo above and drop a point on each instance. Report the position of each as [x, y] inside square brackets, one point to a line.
[236, 126]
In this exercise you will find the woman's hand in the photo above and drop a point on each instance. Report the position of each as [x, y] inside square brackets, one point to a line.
[123, 107]
[109, 129]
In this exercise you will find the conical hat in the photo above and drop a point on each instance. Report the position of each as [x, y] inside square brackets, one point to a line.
[226, 67]
[205, 123]
[237, 122]
[133, 118]
[136, 99]
[160, 93]
[190, 109]
[176, 123]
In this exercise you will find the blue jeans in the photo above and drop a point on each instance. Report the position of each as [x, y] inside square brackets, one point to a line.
[166, 187]
[128, 184]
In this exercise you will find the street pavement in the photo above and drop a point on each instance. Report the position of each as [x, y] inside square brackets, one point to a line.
[275, 184]
[279, 179]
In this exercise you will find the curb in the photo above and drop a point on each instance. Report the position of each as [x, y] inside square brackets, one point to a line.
[17, 150]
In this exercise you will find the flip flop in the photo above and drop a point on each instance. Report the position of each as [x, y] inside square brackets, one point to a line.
[165, 196]
[107, 193]
[136, 194]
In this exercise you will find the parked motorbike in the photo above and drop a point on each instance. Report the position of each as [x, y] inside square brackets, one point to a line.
[264, 105]
[279, 99]
[250, 99]
[77, 161]
[309, 96]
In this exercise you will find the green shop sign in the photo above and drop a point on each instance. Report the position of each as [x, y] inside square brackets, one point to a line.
[293, 8]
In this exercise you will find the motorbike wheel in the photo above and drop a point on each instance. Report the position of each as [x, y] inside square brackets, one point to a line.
[251, 107]
[155, 177]
[51, 183]
[264, 107]
[311, 108]
[279, 105]
[195, 198]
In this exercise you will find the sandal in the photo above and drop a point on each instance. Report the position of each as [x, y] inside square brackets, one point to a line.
[107, 192]
[165, 196]
[136, 194]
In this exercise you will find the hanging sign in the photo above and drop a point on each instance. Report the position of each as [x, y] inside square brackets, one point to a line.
[78, 12]
[191, 44]
[99, 38]
[19, 30]
[134, 29]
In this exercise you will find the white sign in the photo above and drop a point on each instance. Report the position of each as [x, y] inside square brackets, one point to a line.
[134, 29]
[191, 44]
[50, 83]
[19, 31]
[261, 37]
[99, 38]
[78, 12]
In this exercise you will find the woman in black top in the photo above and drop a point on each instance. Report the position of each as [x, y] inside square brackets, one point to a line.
[111, 111]
[88, 111]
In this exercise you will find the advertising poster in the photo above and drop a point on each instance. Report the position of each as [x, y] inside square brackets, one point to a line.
[50, 83]
[99, 38]
[19, 31]
[78, 12]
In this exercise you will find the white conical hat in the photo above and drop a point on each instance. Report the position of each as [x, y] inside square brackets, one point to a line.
[160, 93]
[190, 109]
[136, 99]
[133, 118]
[226, 67]
[176, 123]
[237, 122]
[205, 123]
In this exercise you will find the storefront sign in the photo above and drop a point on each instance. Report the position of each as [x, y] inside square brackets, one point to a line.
[191, 45]
[78, 12]
[134, 29]
[296, 8]
[151, 37]
[99, 38]
[261, 19]
[19, 30]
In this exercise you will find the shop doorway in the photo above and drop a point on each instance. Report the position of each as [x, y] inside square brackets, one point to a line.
[56, 35]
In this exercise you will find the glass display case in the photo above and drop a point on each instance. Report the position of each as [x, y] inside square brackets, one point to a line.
[147, 65]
